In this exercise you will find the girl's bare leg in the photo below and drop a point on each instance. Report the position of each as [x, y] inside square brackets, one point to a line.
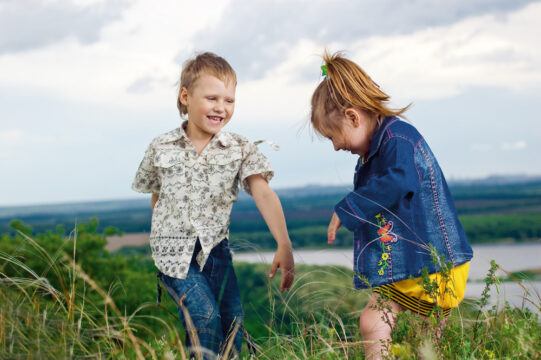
[377, 320]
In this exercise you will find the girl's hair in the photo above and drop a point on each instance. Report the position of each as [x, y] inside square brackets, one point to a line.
[346, 85]
[207, 63]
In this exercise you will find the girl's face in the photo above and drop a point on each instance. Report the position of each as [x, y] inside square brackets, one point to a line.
[210, 103]
[356, 132]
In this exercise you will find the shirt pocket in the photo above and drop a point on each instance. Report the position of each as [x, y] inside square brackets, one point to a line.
[172, 170]
[223, 170]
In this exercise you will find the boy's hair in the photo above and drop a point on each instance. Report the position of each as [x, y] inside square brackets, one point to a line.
[346, 85]
[208, 63]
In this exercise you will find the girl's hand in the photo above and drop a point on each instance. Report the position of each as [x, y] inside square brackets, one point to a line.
[334, 225]
[283, 259]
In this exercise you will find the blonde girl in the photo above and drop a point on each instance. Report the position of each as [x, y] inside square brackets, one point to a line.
[400, 211]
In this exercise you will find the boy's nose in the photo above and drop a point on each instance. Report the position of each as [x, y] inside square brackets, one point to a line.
[219, 106]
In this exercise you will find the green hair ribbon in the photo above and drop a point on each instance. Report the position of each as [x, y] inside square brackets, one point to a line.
[324, 71]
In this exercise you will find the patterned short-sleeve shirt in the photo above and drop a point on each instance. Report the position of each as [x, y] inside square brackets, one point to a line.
[196, 193]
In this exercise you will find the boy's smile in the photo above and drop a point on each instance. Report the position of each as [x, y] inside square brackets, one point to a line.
[211, 103]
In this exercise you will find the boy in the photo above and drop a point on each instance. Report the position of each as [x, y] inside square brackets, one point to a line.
[193, 173]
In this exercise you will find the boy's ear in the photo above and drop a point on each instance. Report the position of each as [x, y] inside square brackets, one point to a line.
[352, 115]
[183, 96]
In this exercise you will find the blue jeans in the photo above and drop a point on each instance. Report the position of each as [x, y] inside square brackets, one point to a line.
[212, 299]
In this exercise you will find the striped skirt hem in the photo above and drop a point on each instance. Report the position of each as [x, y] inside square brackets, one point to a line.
[417, 306]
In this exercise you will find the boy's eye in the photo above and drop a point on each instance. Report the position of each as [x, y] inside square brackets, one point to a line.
[231, 101]
[211, 98]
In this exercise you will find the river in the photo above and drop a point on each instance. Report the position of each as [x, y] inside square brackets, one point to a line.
[510, 257]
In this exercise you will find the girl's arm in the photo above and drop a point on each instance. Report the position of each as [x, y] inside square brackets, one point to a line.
[270, 208]
[334, 225]
[154, 200]
[399, 181]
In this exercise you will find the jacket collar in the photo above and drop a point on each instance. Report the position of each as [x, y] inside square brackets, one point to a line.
[379, 133]
[180, 134]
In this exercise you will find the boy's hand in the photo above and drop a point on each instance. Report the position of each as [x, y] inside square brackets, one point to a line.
[334, 225]
[283, 259]
[269, 206]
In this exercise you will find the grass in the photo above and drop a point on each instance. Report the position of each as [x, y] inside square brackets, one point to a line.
[54, 304]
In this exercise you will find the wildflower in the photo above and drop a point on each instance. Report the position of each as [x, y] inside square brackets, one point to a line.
[384, 256]
[401, 350]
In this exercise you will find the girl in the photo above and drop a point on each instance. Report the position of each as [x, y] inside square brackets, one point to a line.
[193, 173]
[401, 211]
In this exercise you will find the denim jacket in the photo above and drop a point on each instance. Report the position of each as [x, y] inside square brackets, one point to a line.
[400, 206]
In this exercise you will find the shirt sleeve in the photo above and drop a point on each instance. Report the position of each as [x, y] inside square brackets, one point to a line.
[254, 163]
[147, 179]
[398, 181]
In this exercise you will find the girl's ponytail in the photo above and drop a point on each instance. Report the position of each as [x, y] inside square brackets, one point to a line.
[347, 85]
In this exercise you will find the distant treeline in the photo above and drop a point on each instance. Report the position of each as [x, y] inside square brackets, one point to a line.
[489, 213]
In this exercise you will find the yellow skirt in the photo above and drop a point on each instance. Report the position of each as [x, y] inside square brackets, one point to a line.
[410, 294]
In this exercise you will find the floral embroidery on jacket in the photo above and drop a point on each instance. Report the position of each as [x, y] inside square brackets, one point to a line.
[386, 237]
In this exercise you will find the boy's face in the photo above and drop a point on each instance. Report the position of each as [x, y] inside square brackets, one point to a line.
[211, 104]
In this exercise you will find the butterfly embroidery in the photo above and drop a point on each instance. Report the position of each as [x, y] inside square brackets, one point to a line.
[385, 233]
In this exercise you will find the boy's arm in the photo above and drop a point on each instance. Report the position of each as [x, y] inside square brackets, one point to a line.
[154, 200]
[271, 209]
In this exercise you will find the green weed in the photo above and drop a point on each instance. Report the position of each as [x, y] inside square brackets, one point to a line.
[63, 296]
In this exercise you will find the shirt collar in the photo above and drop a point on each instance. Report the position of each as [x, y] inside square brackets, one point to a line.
[174, 135]
[223, 138]
[180, 134]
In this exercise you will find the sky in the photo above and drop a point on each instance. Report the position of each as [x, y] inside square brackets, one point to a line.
[85, 85]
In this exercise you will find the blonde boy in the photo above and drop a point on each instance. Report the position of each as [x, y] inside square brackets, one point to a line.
[193, 173]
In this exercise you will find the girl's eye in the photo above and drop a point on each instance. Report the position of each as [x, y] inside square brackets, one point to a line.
[231, 101]
[211, 98]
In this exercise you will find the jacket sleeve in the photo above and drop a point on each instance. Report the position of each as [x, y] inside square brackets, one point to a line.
[398, 180]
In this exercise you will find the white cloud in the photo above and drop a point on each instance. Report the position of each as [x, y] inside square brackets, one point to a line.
[481, 147]
[504, 146]
[15, 141]
[440, 62]
[433, 63]
[143, 43]
[97, 103]
[512, 146]
[31, 24]
[17, 136]
[11, 136]
[270, 28]
[279, 96]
